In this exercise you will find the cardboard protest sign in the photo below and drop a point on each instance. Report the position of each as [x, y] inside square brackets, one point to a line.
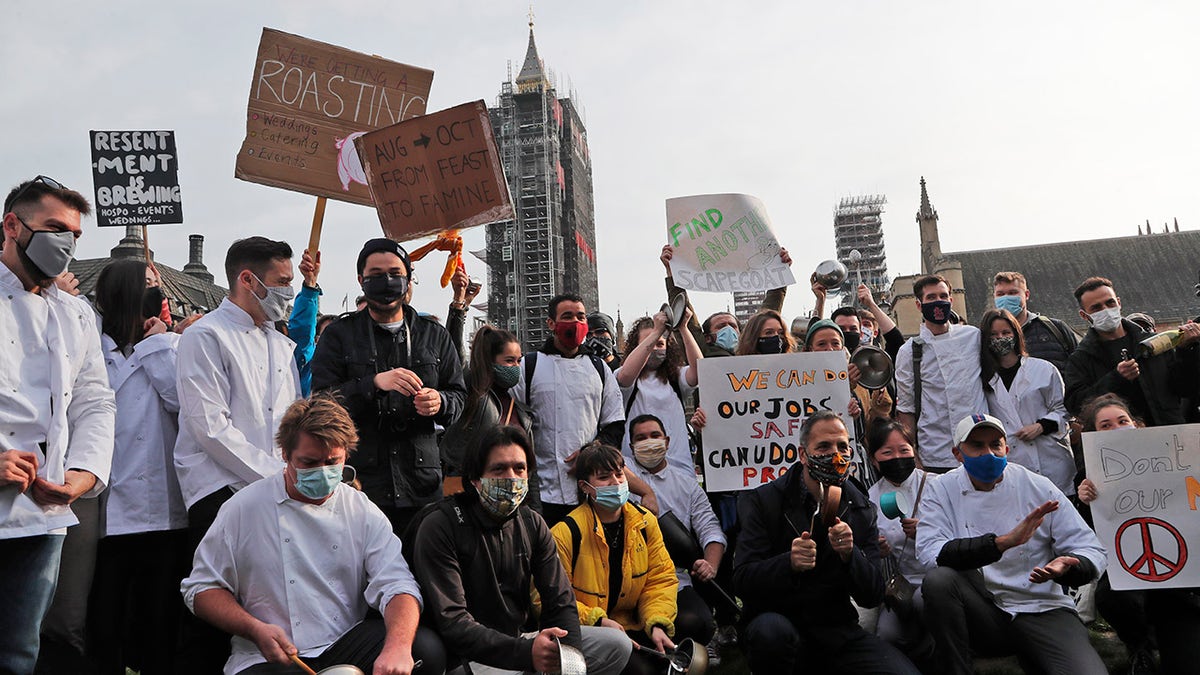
[136, 178]
[724, 243]
[1148, 482]
[308, 102]
[755, 405]
[436, 172]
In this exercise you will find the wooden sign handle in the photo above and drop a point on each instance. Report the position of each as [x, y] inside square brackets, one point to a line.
[314, 237]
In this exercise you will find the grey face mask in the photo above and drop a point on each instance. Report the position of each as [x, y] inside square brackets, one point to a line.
[278, 303]
[48, 253]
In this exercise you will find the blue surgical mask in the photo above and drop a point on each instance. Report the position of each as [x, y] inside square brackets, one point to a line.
[611, 497]
[986, 468]
[727, 338]
[318, 482]
[1012, 303]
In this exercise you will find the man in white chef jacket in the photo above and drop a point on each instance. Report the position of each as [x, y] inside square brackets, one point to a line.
[948, 387]
[236, 377]
[56, 408]
[999, 551]
[293, 562]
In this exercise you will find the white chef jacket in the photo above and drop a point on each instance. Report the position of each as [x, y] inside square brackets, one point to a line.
[1036, 393]
[678, 492]
[951, 389]
[53, 390]
[310, 569]
[657, 398]
[235, 381]
[954, 509]
[143, 494]
[570, 405]
[903, 548]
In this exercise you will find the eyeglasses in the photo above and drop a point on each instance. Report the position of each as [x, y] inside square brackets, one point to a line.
[43, 180]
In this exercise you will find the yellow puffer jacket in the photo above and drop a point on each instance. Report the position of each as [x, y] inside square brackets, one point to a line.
[648, 583]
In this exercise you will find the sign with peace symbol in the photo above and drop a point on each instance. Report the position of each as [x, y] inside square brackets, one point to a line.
[1150, 549]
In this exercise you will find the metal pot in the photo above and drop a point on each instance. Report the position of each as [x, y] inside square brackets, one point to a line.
[570, 660]
[342, 669]
[690, 658]
[830, 274]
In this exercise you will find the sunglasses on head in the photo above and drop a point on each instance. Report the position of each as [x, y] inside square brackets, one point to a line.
[43, 180]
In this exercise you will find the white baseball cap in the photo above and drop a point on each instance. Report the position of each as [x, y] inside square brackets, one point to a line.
[973, 422]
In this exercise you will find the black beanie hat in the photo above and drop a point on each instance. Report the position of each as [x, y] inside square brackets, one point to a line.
[383, 245]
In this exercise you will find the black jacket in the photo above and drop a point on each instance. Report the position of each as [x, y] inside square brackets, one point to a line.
[479, 598]
[1050, 340]
[397, 458]
[1163, 382]
[817, 601]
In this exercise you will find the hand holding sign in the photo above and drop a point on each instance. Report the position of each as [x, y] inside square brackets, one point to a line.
[723, 243]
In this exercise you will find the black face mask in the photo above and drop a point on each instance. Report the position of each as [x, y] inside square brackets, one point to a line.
[386, 288]
[152, 299]
[600, 346]
[851, 340]
[769, 345]
[897, 469]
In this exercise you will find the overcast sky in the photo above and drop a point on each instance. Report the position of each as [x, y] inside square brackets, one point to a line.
[1031, 121]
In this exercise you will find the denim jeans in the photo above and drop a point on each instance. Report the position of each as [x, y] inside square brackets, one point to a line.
[28, 575]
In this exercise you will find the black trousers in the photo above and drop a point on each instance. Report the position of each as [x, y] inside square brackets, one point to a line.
[360, 647]
[203, 648]
[693, 618]
[962, 618]
[1172, 613]
[773, 646]
[135, 608]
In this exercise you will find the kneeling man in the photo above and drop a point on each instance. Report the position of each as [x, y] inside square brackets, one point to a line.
[997, 577]
[293, 562]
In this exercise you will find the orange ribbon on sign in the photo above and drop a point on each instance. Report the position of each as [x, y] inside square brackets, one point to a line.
[450, 241]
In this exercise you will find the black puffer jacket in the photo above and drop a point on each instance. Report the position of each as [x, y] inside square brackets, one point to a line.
[1164, 382]
[817, 601]
[397, 459]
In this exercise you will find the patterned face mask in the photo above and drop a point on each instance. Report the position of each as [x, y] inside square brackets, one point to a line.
[831, 469]
[502, 496]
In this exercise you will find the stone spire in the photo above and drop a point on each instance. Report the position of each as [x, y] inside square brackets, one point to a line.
[532, 76]
[931, 245]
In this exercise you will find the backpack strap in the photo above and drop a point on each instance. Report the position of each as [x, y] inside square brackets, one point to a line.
[633, 395]
[600, 366]
[1056, 331]
[576, 540]
[530, 364]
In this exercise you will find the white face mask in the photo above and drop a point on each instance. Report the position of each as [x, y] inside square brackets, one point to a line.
[1106, 320]
[278, 303]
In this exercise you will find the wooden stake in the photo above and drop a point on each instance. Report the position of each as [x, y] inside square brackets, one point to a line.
[314, 237]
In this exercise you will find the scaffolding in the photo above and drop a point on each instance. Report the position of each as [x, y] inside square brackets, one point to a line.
[550, 247]
[858, 226]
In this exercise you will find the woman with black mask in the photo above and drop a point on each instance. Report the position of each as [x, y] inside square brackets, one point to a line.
[897, 497]
[764, 334]
[135, 605]
[493, 369]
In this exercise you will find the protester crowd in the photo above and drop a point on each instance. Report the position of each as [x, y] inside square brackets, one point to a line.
[265, 485]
